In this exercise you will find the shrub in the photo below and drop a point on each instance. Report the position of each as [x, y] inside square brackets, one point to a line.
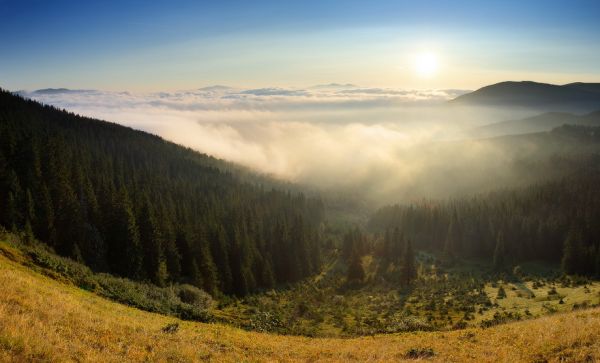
[407, 323]
[184, 301]
[194, 296]
[265, 322]
[501, 293]
[419, 353]
[171, 328]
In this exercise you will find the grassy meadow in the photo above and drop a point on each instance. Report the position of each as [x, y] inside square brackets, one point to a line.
[43, 319]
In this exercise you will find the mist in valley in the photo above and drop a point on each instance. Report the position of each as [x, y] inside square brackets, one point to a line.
[379, 145]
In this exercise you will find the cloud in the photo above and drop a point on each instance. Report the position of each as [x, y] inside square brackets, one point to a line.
[389, 143]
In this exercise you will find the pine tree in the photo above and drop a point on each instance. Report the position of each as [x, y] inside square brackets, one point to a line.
[499, 252]
[573, 258]
[356, 272]
[152, 244]
[597, 261]
[452, 241]
[398, 246]
[220, 252]
[408, 270]
[125, 253]
[267, 278]
[210, 279]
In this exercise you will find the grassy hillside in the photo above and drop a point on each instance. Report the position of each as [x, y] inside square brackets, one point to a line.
[43, 319]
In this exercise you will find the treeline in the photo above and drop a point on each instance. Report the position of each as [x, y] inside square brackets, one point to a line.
[557, 222]
[132, 204]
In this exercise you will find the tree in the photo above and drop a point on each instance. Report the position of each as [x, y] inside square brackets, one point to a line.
[356, 272]
[452, 241]
[573, 255]
[210, 278]
[125, 252]
[408, 270]
[499, 252]
[152, 245]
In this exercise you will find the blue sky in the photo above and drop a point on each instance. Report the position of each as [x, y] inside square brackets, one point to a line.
[155, 45]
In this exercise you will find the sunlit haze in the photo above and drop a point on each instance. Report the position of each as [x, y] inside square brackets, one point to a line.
[159, 45]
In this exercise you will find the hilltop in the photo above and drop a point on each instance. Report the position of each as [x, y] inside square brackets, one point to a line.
[573, 97]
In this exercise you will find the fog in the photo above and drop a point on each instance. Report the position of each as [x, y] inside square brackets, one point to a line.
[386, 145]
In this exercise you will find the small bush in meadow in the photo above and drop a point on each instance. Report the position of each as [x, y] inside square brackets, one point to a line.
[501, 293]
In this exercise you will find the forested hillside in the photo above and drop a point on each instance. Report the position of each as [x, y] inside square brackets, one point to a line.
[555, 221]
[132, 204]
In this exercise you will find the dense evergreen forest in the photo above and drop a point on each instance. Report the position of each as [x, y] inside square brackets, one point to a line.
[132, 204]
[557, 221]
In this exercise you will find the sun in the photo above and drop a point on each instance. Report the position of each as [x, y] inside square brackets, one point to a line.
[425, 64]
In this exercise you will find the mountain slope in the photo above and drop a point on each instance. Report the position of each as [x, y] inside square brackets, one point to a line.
[580, 97]
[132, 204]
[44, 320]
[539, 123]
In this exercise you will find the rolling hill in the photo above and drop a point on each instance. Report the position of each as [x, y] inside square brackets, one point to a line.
[573, 97]
[42, 319]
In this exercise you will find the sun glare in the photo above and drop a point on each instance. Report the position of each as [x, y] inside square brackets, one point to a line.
[425, 65]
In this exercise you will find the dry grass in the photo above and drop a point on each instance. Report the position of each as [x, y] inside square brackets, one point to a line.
[44, 320]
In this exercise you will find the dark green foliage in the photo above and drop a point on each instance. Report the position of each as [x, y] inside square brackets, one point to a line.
[575, 257]
[129, 203]
[554, 222]
[499, 252]
[408, 270]
[419, 353]
[184, 301]
[501, 293]
[193, 296]
[356, 272]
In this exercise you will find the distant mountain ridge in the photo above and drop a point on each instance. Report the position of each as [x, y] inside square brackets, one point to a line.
[539, 123]
[573, 97]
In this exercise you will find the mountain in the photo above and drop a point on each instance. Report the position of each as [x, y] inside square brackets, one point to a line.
[55, 91]
[574, 97]
[590, 87]
[544, 122]
[132, 204]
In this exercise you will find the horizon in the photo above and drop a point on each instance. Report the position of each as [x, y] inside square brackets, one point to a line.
[142, 47]
[230, 87]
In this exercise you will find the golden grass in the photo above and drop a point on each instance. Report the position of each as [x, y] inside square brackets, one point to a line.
[45, 320]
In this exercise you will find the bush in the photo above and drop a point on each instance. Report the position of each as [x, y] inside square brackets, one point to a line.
[265, 322]
[501, 293]
[419, 353]
[407, 324]
[183, 301]
[165, 300]
[194, 296]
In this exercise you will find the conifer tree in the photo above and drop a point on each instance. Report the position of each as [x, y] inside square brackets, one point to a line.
[573, 258]
[408, 267]
[356, 271]
[499, 252]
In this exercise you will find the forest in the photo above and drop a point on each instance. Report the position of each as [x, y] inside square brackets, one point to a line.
[556, 222]
[134, 205]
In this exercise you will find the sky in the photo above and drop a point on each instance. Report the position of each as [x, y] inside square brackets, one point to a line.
[174, 45]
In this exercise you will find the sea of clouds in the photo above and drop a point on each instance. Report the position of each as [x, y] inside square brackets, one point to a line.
[383, 141]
